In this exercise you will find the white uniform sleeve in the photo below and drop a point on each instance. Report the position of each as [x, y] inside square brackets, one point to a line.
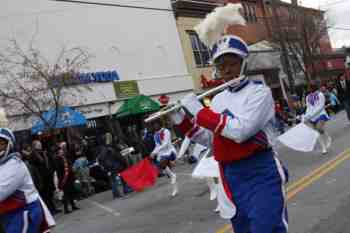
[12, 177]
[314, 111]
[258, 111]
[164, 143]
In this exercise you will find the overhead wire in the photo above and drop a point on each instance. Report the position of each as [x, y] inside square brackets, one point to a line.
[114, 5]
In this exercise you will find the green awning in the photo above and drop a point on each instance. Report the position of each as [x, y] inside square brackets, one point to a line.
[137, 105]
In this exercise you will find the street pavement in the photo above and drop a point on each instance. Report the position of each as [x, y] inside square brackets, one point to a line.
[323, 206]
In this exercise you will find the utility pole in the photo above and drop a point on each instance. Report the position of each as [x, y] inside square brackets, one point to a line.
[281, 41]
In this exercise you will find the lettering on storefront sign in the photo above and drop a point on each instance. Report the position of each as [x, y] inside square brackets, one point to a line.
[126, 89]
[68, 79]
[107, 76]
[89, 111]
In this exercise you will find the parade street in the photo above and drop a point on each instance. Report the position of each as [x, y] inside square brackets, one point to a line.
[174, 116]
[318, 198]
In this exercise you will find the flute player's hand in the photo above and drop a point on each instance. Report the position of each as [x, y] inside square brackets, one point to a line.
[191, 104]
[177, 116]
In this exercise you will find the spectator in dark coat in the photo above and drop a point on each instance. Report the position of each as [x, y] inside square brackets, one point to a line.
[343, 90]
[26, 154]
[100, 177]
[39, 159]
[66, 178]
[113, 163]
[148, 140]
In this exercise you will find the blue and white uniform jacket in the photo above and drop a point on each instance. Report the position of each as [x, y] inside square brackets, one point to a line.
[164, 146]
[16, 185]
[315, 107]
[241, 120]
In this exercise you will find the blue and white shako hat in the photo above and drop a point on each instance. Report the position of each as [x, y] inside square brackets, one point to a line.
[8, 135]
[230, 44]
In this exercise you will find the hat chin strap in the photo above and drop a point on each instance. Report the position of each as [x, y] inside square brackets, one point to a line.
[241, 73]
[243, 67]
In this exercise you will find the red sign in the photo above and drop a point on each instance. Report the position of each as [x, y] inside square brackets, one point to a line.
[164, 99]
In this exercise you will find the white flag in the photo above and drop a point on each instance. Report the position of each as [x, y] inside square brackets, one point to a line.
[301, 138]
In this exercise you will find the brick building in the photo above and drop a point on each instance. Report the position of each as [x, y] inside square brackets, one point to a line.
[261, 26]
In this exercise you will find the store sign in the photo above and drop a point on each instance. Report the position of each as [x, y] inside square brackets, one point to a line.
[93, 111]
[164, 99]
[69, 79]
[105, 76]
[126, 89]
[91, 124]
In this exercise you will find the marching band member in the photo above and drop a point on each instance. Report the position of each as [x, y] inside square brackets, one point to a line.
[316, 114]
[239, 119]
[165, 153]
[200, 136]
[21, 208]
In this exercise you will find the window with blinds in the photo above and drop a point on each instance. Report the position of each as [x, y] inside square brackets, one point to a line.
[201, 52]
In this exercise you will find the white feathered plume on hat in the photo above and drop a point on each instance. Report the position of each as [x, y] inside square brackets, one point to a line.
[213, 26]
[3, 119]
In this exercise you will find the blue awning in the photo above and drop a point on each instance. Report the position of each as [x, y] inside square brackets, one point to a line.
[66, 117]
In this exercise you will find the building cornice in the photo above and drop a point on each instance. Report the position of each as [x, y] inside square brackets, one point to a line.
[194, 8]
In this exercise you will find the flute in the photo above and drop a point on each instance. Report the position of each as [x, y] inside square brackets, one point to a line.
[175, 106]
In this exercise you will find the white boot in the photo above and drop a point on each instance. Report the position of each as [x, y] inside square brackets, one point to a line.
[323, 144]
[328, 140]
[212, 188]
[173, 183]
[171, 174]
[175, 190]
[217, 209]
[173, 178]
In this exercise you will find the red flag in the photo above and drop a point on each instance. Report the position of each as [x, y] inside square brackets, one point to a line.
[141, 175]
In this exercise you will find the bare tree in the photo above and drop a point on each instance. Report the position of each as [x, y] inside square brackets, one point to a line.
[311, 31]
[302, 31]
[31, 84]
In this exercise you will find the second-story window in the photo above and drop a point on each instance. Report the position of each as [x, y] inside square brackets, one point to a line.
[292, 14]
[245, 12]
[253, 13]
[200, 51]
[249, 13]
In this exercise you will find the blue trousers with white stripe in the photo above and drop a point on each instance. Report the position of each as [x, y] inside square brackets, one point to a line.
[24, 220]
[257, 188]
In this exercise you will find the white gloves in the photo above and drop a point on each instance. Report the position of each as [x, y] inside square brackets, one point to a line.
[191, 104]
[301, 118]
[177, 116]
[153, 155]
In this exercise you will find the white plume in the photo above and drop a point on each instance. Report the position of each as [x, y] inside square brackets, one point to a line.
[3, 119]
[213, 26]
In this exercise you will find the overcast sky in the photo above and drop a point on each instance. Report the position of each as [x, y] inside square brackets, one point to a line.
[338, 13]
